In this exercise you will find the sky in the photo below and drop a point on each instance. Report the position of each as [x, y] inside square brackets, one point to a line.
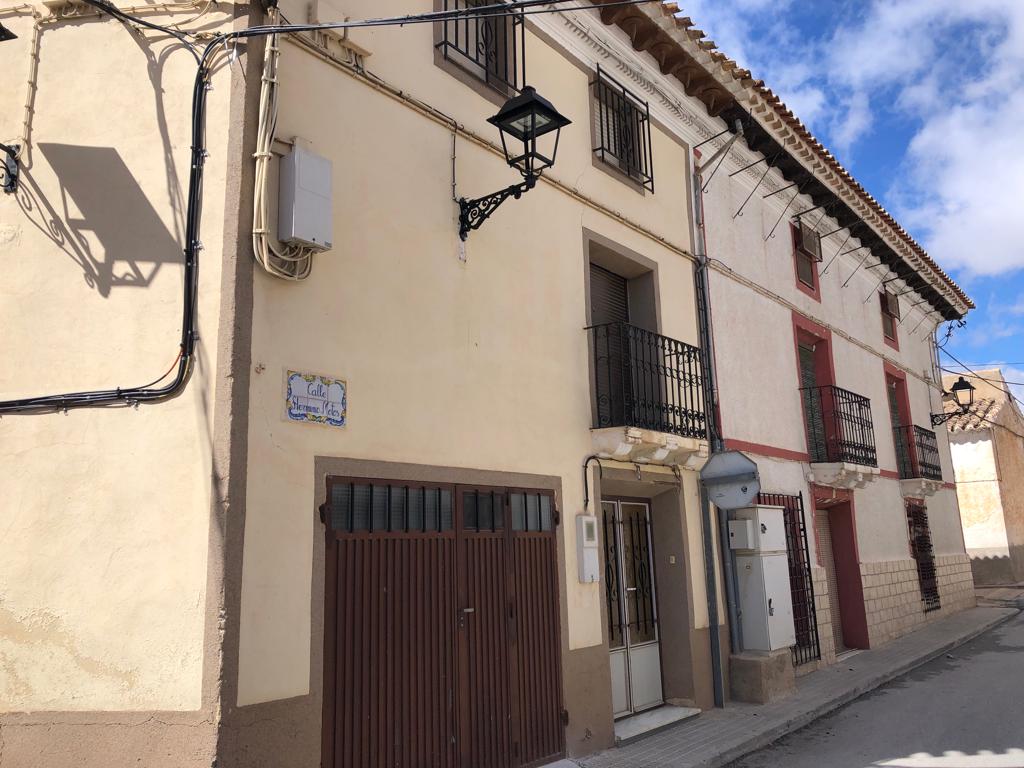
[923, 102]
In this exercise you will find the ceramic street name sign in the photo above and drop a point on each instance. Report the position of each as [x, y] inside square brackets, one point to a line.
[316, 399]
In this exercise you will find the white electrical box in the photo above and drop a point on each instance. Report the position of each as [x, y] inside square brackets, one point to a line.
[758, 529]
[765, 603]
[741, 534]
[762, 567]
[586, 549]
[305, 215]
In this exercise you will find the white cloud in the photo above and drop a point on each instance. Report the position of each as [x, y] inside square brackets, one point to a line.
[950, 72]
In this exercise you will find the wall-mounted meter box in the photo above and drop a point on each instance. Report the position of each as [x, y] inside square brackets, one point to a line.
[305, 215]
[758, 529]
[586, 549]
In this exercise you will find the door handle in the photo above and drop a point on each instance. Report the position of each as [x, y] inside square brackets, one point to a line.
[462, 616]
[631, 589]
[469, 610]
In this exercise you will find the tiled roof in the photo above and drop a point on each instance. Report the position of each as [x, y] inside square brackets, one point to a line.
[982, 415]
[714, 78]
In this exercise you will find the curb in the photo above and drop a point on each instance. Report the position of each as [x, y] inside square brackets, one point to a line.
[761, 740]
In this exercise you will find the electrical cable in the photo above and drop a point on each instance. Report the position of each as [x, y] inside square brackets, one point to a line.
[290, 262]
[133, 396]
[982, 378]
[118, 14]
[976, 375]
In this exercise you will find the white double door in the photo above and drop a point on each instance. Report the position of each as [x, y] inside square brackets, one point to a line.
[635, 651]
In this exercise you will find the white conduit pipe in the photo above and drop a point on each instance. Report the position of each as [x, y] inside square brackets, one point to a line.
[286, 262]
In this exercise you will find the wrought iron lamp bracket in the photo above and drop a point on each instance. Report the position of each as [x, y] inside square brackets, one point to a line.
[10, 168]
[473, 213]
[938, 419]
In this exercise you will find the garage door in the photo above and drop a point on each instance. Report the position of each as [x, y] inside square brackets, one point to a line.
[441, 626]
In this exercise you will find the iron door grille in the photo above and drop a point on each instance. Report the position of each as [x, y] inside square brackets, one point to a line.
[922, 551]
[622, 129]
[488, 44]
[801, 585]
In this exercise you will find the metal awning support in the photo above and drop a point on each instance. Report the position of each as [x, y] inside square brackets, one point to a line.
[756, 186]
[906, 314]
[866, 256]
[836, 254]
[782, 189]
[882, 281]
[747, 167]
[698, 146]
[783, 214]
[719, 156]
[798, 214]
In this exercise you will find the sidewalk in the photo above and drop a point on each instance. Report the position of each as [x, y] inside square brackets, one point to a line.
[719, 736]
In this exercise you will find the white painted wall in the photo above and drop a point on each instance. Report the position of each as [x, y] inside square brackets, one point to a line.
[753, 297]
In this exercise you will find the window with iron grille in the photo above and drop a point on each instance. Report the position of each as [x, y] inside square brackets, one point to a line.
[801, 585]
[622, 129]
[487, 44]
[923, 553]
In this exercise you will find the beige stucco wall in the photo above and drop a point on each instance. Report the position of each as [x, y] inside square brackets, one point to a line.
[981, 506]
[105, 512]
[480, 364]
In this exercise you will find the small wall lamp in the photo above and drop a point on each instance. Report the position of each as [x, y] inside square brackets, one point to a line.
[10, 168]
[962, 392]
[522, 120]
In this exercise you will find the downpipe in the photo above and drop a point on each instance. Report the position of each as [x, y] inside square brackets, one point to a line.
[703, 296]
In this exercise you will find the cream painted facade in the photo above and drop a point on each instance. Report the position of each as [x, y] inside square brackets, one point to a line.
[164, 574]
[103, 563]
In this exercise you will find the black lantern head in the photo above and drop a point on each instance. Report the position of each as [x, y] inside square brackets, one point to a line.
[963, 393]
[525, 118]
[6, 34]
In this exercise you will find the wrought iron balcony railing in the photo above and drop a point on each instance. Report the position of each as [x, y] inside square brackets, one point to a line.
[489, 44]
[839, 426]
[646, 380]
[917, 452]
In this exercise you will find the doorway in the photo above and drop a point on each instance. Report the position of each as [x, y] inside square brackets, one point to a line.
[836, 536]
[441, 626]
[633, 633]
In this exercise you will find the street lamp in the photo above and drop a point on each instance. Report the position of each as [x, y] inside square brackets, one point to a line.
[9, 166]
[962, 393]
[521, 121]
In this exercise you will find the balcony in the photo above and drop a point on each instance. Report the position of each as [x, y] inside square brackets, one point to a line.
[917, 459]
[648, 395]
[840, 436]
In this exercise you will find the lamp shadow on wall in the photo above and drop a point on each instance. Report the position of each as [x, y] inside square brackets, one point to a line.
[98, 195]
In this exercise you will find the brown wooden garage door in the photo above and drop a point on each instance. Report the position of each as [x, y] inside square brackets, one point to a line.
[441, 627]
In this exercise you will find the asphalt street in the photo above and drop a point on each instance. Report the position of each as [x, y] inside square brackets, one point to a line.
[962, 710]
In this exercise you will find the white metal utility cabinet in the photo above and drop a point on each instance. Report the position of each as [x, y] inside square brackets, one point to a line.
[758, 536]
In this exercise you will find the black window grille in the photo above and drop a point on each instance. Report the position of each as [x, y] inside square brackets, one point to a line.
[922, 551]
[801, 585]
[646, 380]
[488, 44]
[532, 512]
[839, 426]
[917, 452]
[365, 507]
[623, 129]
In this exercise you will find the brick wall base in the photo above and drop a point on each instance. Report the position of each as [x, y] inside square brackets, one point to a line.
[892, 595]
[892, 598]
